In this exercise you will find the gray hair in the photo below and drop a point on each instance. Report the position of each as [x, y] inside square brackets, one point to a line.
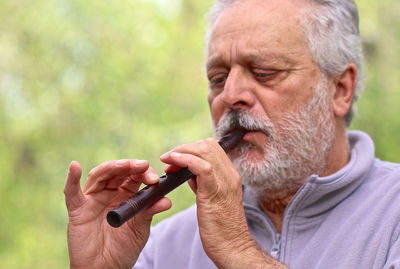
[331, 29]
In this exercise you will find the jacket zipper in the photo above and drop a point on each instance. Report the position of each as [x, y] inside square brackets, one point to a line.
[276, 247]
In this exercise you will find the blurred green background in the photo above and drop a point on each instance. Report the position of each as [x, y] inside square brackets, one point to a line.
[91, 81]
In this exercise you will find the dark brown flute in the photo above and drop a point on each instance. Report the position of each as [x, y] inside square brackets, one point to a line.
[152, 193]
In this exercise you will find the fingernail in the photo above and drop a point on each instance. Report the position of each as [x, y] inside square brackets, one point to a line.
[153, 175]
[153, 180]
[164, 155]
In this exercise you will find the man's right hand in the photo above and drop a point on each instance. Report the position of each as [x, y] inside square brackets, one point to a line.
[92, 242]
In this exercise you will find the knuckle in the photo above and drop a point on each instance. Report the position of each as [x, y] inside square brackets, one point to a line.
[203, 146]
[106, 165]
[134, 164]
[210, 143]
[190, 158]
[211, 140]
[208, 169]
[134, 178]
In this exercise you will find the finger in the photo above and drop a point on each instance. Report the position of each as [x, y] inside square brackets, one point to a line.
[171, 168]
[199, 167]
[130, 186]
[208, 150]
[148, 177]
[202, 148]
[193, 184]
[132, 183]
[74, 197]
[113, 170]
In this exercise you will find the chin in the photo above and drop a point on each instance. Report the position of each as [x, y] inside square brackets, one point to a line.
[255, 157]
[248, 151]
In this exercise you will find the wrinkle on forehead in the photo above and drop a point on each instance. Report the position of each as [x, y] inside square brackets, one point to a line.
[262, 30]
[252, 57]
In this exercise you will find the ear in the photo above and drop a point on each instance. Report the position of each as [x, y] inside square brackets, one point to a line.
[345, 85]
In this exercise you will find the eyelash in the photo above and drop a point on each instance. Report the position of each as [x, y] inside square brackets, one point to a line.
[219, 79]
[266, 75]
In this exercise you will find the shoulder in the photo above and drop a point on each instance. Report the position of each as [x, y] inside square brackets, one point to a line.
[387, 168]
[385, 188]
[384, 173]
[365, 165]
[381, 189]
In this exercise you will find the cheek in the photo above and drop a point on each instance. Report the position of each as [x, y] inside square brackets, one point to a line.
[216, 107]
[270, 103]
[277, 103]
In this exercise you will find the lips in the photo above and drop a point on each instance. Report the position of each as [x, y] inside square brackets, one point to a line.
[250, 134]
[247, 130]
[233, 129]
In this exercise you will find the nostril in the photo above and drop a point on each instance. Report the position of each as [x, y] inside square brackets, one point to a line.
[239, 104]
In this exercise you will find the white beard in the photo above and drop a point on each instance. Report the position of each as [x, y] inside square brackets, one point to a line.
[292, 155]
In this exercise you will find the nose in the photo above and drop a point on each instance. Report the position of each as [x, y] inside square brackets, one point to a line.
[237, 93]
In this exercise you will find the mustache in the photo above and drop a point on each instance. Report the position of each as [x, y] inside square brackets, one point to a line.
[236, 119]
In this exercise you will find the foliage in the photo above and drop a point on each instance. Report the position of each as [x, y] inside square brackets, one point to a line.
[93, 81]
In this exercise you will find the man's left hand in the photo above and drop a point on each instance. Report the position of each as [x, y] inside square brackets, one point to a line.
[222, 223]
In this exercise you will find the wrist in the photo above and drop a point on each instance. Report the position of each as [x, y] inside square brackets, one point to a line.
[249, 255]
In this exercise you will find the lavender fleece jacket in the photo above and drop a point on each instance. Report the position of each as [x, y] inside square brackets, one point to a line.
[350, 219]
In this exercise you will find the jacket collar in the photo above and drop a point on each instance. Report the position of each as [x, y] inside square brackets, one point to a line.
[319, 194]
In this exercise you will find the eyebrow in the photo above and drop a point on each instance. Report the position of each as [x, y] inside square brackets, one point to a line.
[253, 58]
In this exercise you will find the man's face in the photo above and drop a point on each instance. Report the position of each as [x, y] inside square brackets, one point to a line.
[258, 62]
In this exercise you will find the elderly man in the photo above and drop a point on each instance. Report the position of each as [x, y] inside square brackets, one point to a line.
[298, 191]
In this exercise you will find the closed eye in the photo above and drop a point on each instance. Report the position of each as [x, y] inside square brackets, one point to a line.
[267, 74]
[217, 81]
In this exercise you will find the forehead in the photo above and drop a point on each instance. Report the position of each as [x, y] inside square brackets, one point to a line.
[259, 25]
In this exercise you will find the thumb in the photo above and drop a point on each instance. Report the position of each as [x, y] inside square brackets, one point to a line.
[74, 197]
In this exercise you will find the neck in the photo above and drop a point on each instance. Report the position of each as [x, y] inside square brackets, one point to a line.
[274, 203]
[339, 155]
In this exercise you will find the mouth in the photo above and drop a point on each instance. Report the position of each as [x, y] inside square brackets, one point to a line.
[247, 131]
[250, 133]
